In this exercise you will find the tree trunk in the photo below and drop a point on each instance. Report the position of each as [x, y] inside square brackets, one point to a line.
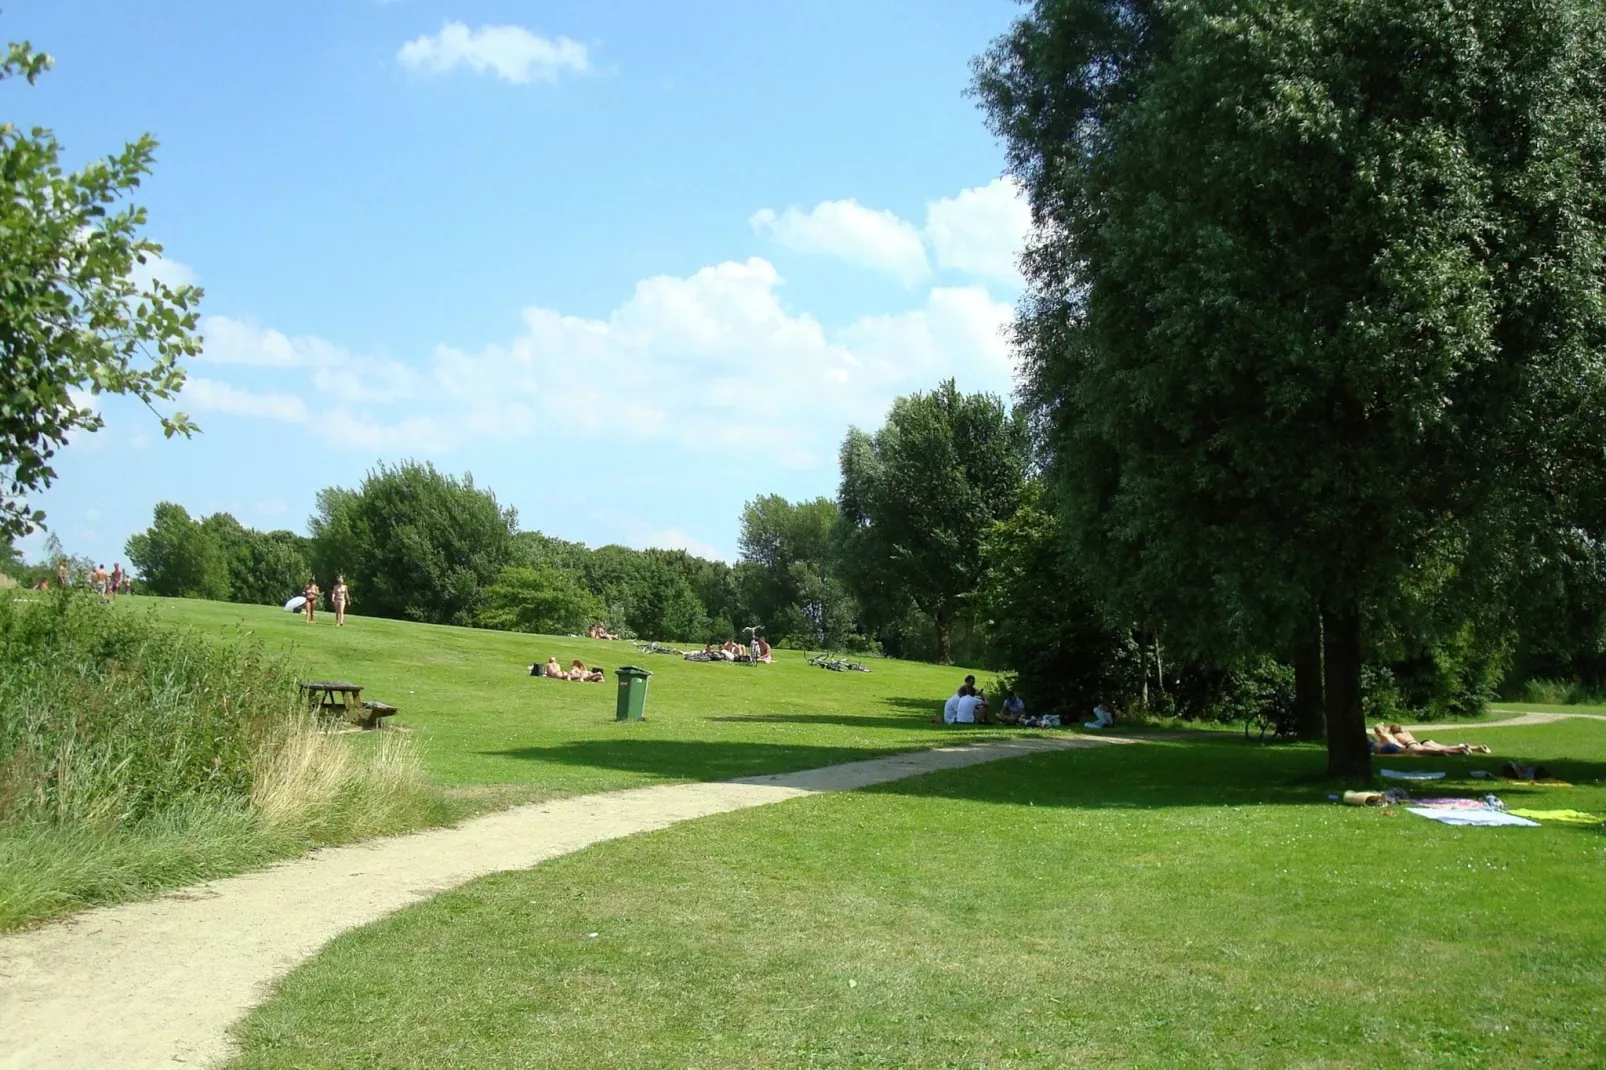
[1310, 721]
[1347, 753]
[940, 623]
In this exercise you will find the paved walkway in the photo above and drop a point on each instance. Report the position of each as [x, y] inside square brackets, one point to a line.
[159, 983]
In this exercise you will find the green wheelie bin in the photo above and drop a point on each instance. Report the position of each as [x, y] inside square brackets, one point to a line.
[632, 693]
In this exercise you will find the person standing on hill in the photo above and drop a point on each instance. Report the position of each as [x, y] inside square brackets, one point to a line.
[61, 574]
[116, 584]
[339, 595]
[310, 592]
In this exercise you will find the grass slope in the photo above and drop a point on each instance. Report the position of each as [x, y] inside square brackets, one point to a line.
[1180, 903]
[482, 722]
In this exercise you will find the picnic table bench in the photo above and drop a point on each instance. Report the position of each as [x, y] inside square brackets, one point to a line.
[339, 697]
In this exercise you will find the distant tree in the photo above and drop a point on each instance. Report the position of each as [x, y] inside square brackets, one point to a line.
[72, 317]
[918, 496]
[792, 557]
[1314, 303]
[177, 557]
[413, 543]
[539, 598]
[1041, 618]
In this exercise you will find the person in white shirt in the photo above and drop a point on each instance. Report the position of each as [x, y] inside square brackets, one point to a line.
[972, 708]
[1102, 718]
[950, 709]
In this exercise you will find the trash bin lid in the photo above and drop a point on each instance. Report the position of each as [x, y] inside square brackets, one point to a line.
[631, 670]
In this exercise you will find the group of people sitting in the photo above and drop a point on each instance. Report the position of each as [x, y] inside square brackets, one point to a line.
[1392, 739]
[577, 672]
[731, 650]
[968, 705]
[597, 631]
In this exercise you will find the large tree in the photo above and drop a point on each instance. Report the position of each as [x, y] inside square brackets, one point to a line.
[180, 557]
[74, 319]
[918, 496]
[1315, 302]
[413, 543]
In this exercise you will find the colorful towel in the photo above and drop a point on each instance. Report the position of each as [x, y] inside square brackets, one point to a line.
[1414, 774]
[1566, 817]
[1471, 817]
[1452, 804]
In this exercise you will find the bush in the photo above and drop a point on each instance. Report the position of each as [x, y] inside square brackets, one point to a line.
[136, 756]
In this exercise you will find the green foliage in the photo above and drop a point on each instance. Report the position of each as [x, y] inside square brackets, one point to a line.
[1307, 321]
[790, 571]
[542, 599]
[217, 558]
[110, 717]
[1042, 622]
[918, 496]
[413, 543]
[178, 557]
[72, 318]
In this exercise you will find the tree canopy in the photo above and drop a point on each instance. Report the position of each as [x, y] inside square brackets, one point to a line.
[74, 322]
[413, 543]
[917, 497]
[1315, 305]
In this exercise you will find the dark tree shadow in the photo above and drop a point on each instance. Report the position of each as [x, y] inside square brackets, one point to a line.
[848, 719]
[691, 759]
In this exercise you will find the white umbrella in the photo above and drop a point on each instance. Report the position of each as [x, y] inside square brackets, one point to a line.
[295, 603]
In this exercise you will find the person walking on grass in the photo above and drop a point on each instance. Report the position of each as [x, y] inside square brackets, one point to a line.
[339, 595]
[310, 592]
[117, 580]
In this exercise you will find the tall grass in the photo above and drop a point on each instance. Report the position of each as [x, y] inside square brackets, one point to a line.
[136, 756]
[1543, 692]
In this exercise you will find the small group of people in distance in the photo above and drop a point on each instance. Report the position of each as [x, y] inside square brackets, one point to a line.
[339, 598]
[969, 705]
[577, 673]
[597, 631]
[106, 584]
[730, 650]
[1392, 739]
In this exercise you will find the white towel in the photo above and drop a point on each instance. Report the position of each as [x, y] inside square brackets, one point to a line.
[1471, 817]
[1414, 774]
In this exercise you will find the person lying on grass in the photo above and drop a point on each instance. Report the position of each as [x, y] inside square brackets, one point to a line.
[579, 673]
[1392, 739]
[553, 670]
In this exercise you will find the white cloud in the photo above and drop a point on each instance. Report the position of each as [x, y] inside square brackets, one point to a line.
[512, 53]
[847, 229]
[412, 434]
[675, 539]
[715, 363]
[163, 269]
[981, 230]
[210, 395]
[337, 372]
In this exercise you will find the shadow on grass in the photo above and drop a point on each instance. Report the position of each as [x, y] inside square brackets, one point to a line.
[1220, 771]
[848, 719]
[691, 760]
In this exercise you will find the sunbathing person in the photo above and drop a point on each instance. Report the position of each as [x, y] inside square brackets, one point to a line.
[580, 674]
[1405, 741]
[553, 670]
[761, 651]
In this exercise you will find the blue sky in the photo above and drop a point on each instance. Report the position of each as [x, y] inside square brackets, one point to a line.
[630, 264]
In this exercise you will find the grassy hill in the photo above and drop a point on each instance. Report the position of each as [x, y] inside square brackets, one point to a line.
[485, 726]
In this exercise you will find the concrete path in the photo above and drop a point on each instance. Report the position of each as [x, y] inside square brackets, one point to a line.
[1517, 721]
[159, 983]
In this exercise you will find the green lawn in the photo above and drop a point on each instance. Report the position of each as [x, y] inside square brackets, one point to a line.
[485, 726]
[1191, 902]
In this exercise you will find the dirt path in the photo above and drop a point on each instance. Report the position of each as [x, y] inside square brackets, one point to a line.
[158, 983]
[1518, 721]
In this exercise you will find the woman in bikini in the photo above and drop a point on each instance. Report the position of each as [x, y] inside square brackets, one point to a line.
[1392, 739]
[310, 592]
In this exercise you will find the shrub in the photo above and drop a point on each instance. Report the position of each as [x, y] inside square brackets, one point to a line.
[136, 756]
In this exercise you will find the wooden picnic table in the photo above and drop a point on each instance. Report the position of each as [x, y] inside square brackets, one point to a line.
[345, 699]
